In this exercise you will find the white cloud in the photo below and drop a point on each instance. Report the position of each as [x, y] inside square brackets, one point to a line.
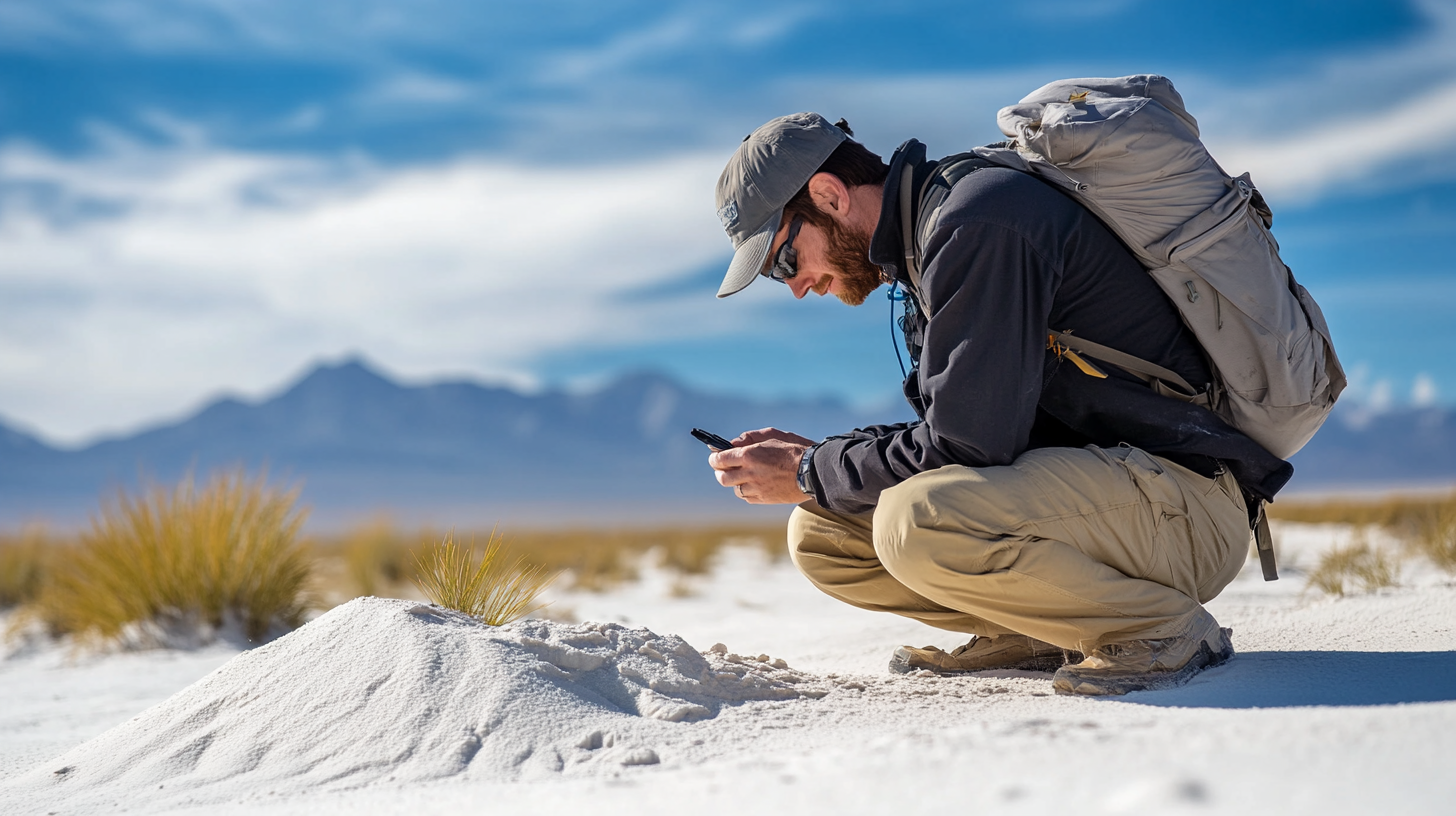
[1381, 397]
[1423, 391]
[1367, 397]
[1364, 398]
[760, 29]
[1393, 140]
[673, 33]
[211, 269]
[416, 88]
[164, 26]
[1378, 118]
[1061, 12]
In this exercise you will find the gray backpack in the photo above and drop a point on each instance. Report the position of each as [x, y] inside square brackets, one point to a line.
[1127, 150]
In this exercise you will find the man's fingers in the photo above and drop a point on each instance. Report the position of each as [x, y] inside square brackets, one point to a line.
[743, 490]
[739, 481]
[727, 460]
[732, 478]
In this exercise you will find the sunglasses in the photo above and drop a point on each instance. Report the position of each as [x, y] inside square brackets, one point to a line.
[786, 260]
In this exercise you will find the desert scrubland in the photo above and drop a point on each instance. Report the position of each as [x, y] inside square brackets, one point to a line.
[196, 651]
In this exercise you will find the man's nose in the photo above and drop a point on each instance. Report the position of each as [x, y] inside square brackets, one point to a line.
[800, 285]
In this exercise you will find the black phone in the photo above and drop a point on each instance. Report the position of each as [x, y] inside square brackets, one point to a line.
[712, 440]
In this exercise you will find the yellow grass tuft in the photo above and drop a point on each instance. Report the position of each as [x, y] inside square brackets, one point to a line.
[1432, 533]
[23, 562]
[1427, 524]
[183, 562]
[375, 557]
[601, 559]
[1356, 563]
[489, 589]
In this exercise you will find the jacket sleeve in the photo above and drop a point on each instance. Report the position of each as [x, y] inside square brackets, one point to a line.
[988, 292]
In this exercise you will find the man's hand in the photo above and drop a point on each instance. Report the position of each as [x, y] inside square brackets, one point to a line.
[762, 467]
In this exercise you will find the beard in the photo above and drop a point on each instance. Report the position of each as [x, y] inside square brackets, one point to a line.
[849, 254]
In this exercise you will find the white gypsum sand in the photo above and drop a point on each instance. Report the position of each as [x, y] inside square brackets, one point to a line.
[387, 690]
[1332, 706]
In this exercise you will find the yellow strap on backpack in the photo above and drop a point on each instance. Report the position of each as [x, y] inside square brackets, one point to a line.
[1080, 362]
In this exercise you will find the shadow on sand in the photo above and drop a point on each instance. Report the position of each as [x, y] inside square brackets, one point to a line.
[1283, 679]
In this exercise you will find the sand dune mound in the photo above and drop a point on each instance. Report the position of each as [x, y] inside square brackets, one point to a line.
[389, 690]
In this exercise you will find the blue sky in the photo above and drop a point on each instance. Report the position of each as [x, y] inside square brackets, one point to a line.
[205, 197]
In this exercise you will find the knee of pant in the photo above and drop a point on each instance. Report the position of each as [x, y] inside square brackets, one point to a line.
[912, 538]
[901, 510]
[928, 501]
[901, 514]
[801, 522]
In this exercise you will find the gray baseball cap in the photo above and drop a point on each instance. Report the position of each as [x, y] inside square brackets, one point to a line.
[771, 165]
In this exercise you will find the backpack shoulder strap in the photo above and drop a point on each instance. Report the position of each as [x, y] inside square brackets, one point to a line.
[917, 207]
[907, 226]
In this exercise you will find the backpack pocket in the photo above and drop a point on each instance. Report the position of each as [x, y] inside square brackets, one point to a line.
[1236, 295]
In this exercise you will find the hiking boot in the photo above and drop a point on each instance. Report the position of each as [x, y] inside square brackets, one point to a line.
[1138, 665]
[1017, 652]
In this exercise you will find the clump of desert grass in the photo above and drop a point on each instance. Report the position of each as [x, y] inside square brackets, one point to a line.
[377, 563]
[377, 557]
[1426, 526]
[370, 558]
[24, 561]
[1353, 565]
[599, 559]
[485, 586]
[1431, 533]
[228, 556]
[181, 564]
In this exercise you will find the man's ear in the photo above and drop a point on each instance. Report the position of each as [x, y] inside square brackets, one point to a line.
[830, 195]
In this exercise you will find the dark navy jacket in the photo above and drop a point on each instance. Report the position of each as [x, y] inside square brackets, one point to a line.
[1010, 257]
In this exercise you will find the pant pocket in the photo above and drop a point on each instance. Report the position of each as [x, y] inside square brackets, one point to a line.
[1167, 549]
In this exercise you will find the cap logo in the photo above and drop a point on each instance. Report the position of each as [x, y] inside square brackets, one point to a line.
[729, 215]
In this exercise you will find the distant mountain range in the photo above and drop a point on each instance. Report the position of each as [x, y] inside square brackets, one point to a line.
[464, 454]
[451, 453]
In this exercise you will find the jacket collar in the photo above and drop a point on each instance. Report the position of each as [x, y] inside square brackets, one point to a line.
[887, 247]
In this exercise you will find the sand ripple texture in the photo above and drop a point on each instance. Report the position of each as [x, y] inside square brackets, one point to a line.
[389, 690]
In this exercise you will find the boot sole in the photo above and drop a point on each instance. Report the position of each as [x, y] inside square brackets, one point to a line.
[900, 663]
[1068, 681]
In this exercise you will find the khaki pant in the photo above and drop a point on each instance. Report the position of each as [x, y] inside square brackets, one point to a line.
[1078, 547]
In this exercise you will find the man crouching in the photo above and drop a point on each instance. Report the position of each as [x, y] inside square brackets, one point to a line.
[1040, 507]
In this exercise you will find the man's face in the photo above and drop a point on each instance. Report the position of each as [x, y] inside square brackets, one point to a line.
[833, 259]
